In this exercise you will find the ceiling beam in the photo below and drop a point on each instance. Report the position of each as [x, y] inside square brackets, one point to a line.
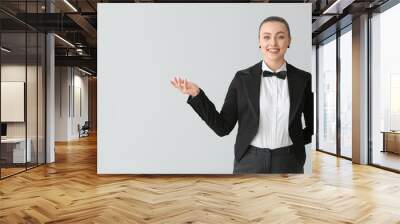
[86, 26]
[83, 61]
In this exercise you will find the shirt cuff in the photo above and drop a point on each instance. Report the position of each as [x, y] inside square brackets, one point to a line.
[194, 99]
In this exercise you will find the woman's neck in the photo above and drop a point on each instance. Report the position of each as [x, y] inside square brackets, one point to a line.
[274, 65]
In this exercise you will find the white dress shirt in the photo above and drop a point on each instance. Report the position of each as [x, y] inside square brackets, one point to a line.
[273, 129]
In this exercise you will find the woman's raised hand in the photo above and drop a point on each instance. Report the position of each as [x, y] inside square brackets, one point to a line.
[185, 86]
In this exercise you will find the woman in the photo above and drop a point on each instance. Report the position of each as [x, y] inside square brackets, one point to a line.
[268, 100]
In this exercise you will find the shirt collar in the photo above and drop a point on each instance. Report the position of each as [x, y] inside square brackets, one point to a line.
[266, 68]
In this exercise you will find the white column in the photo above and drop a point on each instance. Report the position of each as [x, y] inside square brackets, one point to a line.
[360, 90]
[50, 91]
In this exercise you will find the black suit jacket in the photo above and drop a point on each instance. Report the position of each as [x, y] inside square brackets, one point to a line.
[242, 104]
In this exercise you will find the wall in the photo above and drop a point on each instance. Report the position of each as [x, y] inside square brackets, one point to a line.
[144, 123]
[71, 102]
[17, 73]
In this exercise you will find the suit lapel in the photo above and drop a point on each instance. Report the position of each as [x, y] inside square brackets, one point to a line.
[253, 88]
[295, 85]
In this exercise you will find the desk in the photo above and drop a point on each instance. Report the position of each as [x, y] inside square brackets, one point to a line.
[15, 148]
[391, 141]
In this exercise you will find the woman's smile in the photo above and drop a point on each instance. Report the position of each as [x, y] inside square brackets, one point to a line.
[273, 50]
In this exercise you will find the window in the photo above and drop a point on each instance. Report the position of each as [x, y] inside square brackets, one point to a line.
[346, 93]
[327, 96]
[385, 89]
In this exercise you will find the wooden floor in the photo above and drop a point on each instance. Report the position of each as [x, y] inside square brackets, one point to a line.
[5, 172]
[70, 191]
[387, 159]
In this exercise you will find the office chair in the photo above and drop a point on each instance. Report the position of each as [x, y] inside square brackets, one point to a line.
[84, 130]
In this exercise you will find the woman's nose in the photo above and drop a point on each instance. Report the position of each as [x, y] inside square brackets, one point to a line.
[272, 42]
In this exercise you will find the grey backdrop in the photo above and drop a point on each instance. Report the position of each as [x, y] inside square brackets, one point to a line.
[145, 125]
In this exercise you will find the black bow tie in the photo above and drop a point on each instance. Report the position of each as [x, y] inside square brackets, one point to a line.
[281, 74]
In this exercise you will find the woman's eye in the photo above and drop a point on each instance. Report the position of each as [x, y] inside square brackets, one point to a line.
[281, 37]
[266, 37]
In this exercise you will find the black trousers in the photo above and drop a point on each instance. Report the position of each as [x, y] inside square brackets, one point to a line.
[264, 160]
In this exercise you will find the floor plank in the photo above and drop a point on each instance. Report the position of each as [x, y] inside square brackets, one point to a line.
[70, 191]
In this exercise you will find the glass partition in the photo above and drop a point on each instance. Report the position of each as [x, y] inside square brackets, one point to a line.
[41, 87]
[327, 96]
[32, 95]
[346, 93]
[22, 63]
[14, 153]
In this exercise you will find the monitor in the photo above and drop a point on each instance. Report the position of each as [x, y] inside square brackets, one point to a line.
[3, 129]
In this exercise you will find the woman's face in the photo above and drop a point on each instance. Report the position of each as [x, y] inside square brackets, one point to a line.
[274, 40]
